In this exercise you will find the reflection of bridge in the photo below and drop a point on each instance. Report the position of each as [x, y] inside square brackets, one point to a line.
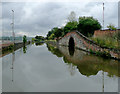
[79, 41]
[89, 64]
[86, 64]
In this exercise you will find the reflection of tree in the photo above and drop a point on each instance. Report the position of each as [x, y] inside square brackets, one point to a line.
[90, 65]
[87, 70]
[39, 43]
[24, 49]
[71, 66]
[84, 69]
[54, 50]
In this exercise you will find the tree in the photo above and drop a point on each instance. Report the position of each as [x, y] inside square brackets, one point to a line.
[111, 27]
[24, 39]
[58, 33]
[72, 17]
[55, 33]
[52, 36]
[70, 26]
[39, 38]
[87, 25]
[49, 33]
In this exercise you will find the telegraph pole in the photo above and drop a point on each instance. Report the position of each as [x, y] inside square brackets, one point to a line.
[13, 27]
[103, 16]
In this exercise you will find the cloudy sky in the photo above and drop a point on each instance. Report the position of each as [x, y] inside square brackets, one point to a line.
[37, 18]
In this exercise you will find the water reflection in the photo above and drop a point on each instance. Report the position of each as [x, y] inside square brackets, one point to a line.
[12, 67]
[39, 43]
[24, 49]
[54, 50]
[72, 69]
[103, 81]
[86, 63]
[32, 72]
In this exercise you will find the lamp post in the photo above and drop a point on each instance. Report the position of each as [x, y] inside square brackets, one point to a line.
[13, 27]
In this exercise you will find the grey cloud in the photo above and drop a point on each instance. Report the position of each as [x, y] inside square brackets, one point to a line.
[39, 18]
[43, 16]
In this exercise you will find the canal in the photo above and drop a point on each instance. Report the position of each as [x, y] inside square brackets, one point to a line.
[48, 68]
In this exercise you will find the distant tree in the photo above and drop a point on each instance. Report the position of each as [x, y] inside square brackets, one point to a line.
[39, 37]
[87, 25]
[24, 39]
[55, 33]
[111, 27]
[52, 36]
[52, 33]
[48, 35]
[58, 33]
[72, 17]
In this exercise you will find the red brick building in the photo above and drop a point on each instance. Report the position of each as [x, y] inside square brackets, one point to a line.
[104, 32]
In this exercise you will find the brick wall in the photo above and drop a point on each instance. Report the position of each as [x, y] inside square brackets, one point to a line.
[99, 33]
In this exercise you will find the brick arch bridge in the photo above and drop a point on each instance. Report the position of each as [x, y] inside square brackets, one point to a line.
[79, 41]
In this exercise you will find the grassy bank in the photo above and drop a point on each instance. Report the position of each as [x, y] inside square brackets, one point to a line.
[107, 41]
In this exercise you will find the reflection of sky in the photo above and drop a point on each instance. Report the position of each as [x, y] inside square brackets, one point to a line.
[38, 70]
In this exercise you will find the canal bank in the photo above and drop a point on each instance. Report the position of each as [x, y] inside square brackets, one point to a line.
[103, 52]
[8, 47]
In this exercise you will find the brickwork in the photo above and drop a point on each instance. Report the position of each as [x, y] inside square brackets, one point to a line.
[99, 33]
[82, 42]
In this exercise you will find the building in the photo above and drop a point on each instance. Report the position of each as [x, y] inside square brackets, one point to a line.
[105, 32]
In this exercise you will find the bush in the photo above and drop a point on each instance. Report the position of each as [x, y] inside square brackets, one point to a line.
[107, 41]
[99, 53]
[87, 25]
[70, 26]
[111, 27]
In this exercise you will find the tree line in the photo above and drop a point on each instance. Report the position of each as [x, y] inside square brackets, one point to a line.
[85, 25]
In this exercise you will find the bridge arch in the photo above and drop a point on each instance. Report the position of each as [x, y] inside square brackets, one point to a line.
[71, 42]
[71, 46]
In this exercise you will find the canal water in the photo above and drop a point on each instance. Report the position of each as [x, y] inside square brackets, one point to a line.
[49, 68]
